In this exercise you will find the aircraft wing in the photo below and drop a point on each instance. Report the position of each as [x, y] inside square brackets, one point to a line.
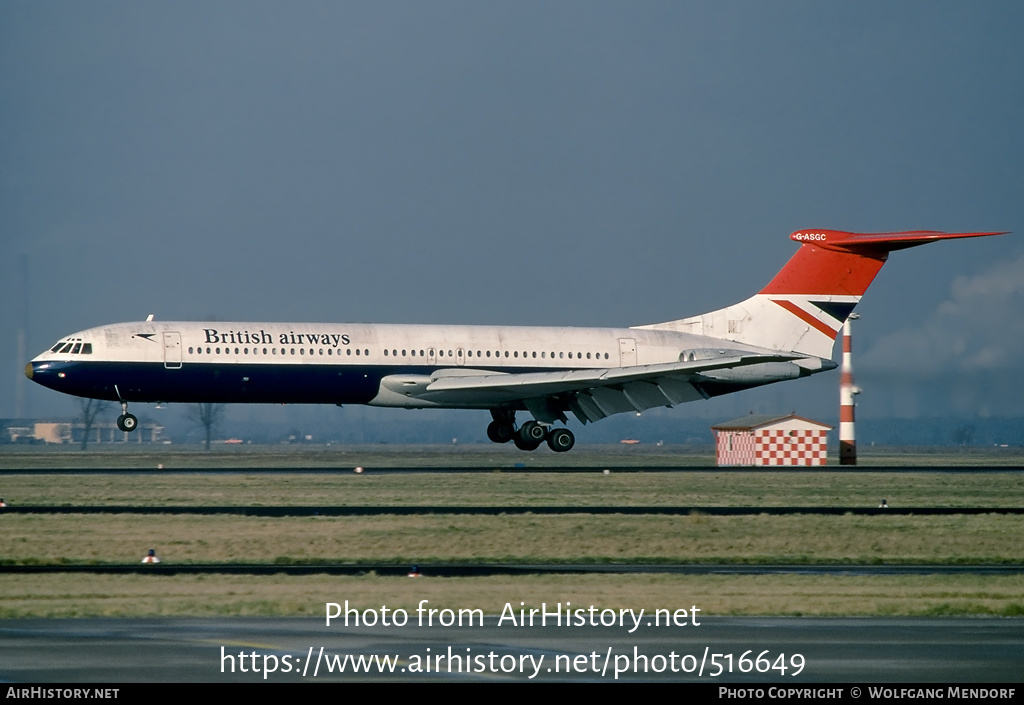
[590, 394]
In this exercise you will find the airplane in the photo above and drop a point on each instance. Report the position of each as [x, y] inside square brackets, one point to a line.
[785, 331]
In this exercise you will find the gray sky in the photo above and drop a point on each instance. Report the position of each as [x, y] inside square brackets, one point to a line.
[562, 163]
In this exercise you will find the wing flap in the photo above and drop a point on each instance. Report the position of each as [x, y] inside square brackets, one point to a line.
[645, 395]
[524, 385]
[590, 394]
[585, 408]
[610, 400]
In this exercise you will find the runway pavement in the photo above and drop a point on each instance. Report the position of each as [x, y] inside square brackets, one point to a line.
[789, 651]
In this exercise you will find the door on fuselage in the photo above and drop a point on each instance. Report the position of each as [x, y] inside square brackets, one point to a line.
[172, 350]
[627, 352]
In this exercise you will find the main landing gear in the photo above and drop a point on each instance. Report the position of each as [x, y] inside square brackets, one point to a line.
[530, 435]
[126, 422]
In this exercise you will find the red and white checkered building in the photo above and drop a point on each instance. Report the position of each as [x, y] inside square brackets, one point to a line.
[771, 440]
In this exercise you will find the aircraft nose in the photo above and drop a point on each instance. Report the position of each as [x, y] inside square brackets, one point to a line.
[47, 374]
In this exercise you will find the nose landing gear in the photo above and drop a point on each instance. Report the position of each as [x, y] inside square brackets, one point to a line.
[126, 422]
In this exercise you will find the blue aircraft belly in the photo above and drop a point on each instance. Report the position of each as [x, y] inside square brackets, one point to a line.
[241, 383]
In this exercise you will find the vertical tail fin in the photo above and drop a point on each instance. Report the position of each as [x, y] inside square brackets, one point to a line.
[803, 308]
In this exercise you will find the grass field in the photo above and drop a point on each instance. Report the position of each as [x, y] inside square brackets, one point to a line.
[715, 595]
[522, 489]
[147, 457]
[523, 539]
[582, 537]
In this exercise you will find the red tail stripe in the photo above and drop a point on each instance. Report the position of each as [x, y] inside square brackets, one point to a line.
[806, 317]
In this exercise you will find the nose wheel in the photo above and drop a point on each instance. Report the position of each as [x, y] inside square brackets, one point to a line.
[126, 422]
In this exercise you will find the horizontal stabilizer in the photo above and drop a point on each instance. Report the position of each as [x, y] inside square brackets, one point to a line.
[875, 243]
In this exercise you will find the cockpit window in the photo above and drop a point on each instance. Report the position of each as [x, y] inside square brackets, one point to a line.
[74, 347]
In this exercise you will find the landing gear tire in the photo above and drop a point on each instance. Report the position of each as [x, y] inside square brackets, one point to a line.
[525, 444]
[127, 422]
[500, 431]
[532, 431]
[561, 439]
[529, 436]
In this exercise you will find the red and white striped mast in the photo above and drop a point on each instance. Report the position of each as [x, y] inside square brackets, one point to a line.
[847, 391]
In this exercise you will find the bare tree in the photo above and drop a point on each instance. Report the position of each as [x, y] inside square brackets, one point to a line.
[90, 408]
[208, 415]
[964, 435]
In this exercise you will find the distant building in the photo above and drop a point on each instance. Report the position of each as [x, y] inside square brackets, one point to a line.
[761, 440]
[51, 432]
